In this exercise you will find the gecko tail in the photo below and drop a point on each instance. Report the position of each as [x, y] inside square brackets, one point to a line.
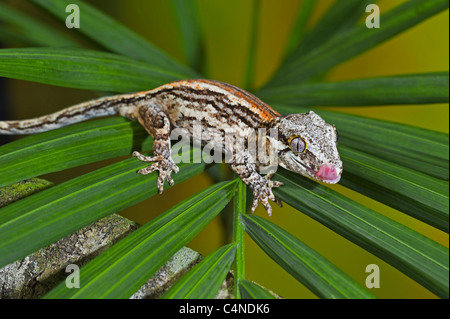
[95, 108]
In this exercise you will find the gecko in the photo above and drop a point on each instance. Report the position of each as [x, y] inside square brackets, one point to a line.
[304, 143]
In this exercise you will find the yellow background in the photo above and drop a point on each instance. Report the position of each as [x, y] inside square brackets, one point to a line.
[226, 30]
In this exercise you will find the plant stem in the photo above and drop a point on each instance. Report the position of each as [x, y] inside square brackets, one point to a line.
[238, 236]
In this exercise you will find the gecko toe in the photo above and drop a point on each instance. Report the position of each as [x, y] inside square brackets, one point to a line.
[147, 170]
[170, 180]
[276, 184]
[267, 206]
[278, 202]
[160, 184]
[254, 205]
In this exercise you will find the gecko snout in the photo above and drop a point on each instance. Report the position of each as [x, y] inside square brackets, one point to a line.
[328, 173]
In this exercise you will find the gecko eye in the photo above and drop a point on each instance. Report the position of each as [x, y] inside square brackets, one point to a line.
[297, 144]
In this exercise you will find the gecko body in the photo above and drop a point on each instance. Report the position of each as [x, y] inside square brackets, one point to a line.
[303, 143]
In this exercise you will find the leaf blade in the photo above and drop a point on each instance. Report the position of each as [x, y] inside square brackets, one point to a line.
[43, 218]
[426, 88]
[299, 29]
[148, 248]
[355, 41]
[420, 258]
[251, 53]
[115, 36]
[32, 31]
[69, 147]
[82, 69]
[190, 30]
[339, 17]
[250, 290]
[302, 262]
[205, 279]
[416, 194]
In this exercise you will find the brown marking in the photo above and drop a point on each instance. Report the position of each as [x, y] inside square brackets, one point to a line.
[264, 111]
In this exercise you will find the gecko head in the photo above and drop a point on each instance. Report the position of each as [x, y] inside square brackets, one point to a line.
[307, 145]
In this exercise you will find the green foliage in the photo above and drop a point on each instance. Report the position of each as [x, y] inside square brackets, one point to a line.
[250, 290]
[69, 147]
[302, 262]
[205, 280]
[30, 31]
[124, 268]
[352, 41]
[395, 90]
[399, 165]
[417, 256]
[83, 69]
[37, 221]
[116, 37]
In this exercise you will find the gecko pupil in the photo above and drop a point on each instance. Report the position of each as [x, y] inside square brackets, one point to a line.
[298, 145]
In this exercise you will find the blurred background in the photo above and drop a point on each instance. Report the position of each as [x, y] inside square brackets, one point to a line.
[226, 33]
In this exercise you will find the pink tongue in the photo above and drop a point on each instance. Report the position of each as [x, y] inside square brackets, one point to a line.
[327, 173]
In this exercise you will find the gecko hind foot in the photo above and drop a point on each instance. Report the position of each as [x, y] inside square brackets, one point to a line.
[165, 166]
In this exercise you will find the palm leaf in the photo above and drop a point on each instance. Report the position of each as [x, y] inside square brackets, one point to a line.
[70, 147]
[83, 69]
[190, 30]
[115, 37]
[39, 220]
[205, 279]
[250, 65]
[424, 88]
[417, 256]
[299, 29]
[136, 258]
[31, 31]
[339, 17]
[417, 194]
[303, 263]
[356, 40]
[250, 290]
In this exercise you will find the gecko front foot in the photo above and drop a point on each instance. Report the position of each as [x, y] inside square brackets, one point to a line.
[165, 166]
[263, 192]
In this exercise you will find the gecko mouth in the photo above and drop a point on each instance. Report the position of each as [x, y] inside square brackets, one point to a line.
[307, 168]
[327, 173]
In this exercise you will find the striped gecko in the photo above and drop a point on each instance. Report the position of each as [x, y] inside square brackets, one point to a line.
[303, 143]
